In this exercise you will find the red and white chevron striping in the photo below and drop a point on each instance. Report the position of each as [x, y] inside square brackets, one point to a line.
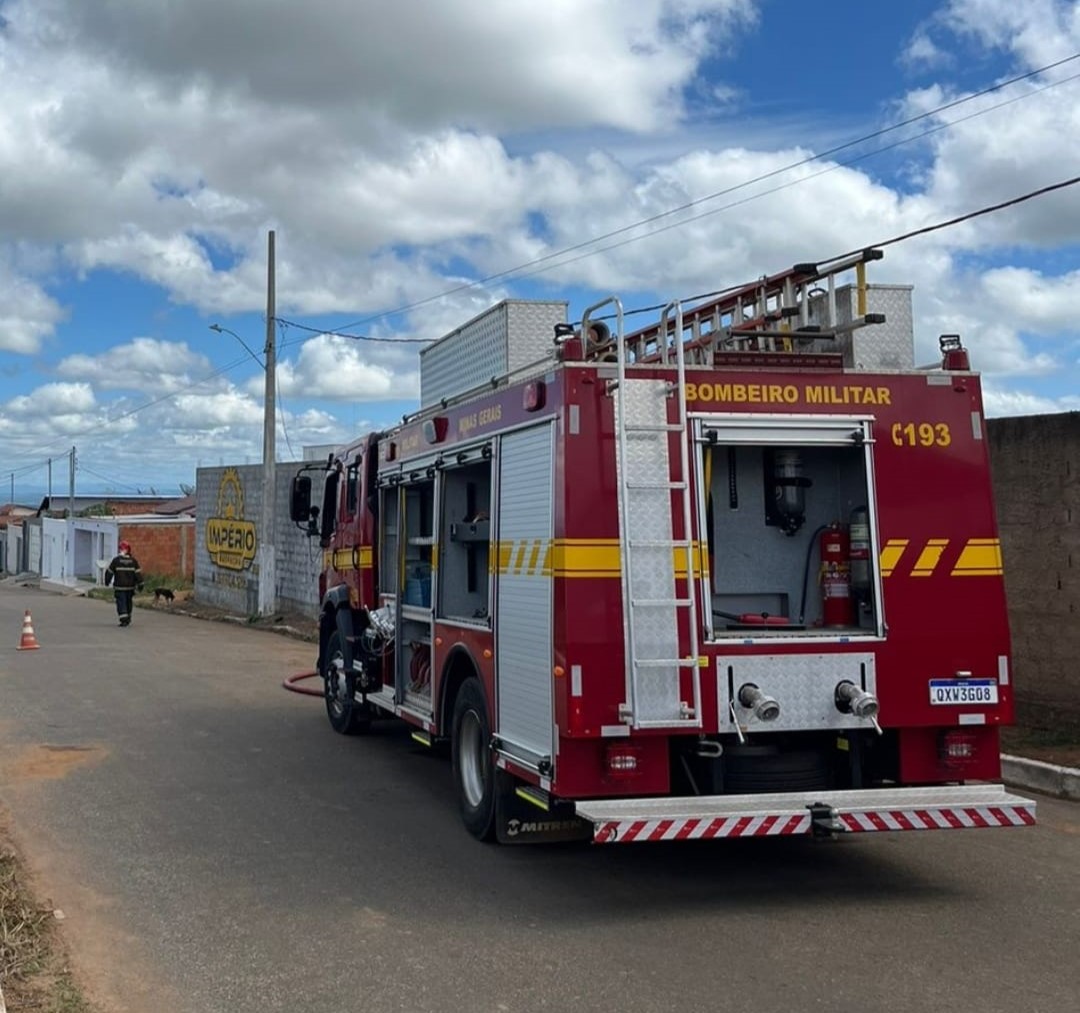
[692, 829]
[939, 819]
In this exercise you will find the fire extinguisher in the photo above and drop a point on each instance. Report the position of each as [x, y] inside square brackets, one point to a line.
[837, 606]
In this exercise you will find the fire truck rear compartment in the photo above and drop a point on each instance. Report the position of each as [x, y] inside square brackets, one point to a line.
[766, 509]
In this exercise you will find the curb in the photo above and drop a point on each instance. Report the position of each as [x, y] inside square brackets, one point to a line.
[1034, 775]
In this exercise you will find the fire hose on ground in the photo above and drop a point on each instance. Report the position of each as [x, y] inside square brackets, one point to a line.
[290, 684]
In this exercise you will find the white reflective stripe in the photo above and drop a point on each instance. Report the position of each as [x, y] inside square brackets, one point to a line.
[575, 680]
[1003, 669]
[673, 830]
[648, 830]
[976, 425]
[890, 821]
[752, 825]
[972, 719]
[963, 817]
[699, 830]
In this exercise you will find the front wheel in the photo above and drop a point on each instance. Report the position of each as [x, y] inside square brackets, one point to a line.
[339, 687]
[474, 769]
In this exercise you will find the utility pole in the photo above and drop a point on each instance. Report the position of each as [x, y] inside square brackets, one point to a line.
[50, 483]
[266, 552]
[71, 486]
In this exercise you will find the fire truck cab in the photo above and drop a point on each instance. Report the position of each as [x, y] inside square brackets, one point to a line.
[733, 574]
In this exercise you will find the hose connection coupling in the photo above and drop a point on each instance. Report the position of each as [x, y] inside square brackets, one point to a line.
[854, 700]
[763, 706]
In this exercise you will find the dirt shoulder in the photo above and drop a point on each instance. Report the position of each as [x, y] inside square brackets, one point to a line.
[291, 624]
[34, 970]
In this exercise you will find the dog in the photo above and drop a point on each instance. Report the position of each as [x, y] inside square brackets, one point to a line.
[163, 592]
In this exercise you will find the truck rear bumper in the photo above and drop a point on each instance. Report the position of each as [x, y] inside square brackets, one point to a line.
[705, 817]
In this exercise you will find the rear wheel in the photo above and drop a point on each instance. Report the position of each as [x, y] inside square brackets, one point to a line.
[474, 767]
[346, 715]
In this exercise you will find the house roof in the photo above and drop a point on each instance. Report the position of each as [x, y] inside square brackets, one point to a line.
[183, 505]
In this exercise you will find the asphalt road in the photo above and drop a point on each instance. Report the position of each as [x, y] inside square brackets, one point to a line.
[214, 847]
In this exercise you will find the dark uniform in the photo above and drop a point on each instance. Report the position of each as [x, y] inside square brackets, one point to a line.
[124, 574]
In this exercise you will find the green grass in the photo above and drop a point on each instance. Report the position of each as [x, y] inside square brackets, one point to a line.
[150, 582]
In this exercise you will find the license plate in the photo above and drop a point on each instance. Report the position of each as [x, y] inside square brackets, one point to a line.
[950, 692]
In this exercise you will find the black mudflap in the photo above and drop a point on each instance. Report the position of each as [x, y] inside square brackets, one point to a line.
[524, 820]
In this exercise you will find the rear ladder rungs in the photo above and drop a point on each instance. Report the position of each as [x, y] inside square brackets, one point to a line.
[655, 485]
[658, 602]
[653, 427]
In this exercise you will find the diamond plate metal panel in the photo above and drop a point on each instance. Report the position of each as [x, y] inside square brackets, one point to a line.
[803, 684]
[890, 345]
[508, 336]
[651, 568]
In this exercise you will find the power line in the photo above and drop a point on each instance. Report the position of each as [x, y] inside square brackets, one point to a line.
[1012, 202]
[712, 196]
[924, 230]
[106, 478]
[132, 411]
[795, 182]
[353, 337]
[280, 403]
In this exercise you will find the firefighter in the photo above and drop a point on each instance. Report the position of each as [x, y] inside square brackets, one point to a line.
[124, 574]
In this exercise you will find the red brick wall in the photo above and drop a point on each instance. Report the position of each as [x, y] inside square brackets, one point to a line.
[164, 549]
[118, 508]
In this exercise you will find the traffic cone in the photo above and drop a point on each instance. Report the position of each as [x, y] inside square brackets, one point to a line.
[28, 642]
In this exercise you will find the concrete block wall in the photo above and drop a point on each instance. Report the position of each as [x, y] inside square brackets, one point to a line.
[166, 549]
[1036, 468]
[297, 558]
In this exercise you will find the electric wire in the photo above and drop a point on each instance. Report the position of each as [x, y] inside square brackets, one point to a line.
[277, 391]
[784, 186]
[352, 337]
[106, 478]
[515, 271]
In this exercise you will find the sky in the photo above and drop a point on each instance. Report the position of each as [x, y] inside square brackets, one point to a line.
[419, 161]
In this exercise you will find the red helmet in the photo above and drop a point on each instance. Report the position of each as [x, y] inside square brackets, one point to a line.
[125, 546]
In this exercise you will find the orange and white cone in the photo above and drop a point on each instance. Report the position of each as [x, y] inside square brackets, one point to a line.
[28, 642]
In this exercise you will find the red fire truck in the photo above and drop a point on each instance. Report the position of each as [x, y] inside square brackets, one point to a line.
[732, 574]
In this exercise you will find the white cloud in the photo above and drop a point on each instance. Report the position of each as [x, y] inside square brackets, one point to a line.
[923, 53]
[53, 399]
[28, 314]
[398, 159]
[337, 369]
[146, 364]
[999, 401]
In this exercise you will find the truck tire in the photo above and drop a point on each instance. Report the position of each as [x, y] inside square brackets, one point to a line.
[472, 759]
[339, 688]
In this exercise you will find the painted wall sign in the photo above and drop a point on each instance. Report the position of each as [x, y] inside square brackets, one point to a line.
[231, 540]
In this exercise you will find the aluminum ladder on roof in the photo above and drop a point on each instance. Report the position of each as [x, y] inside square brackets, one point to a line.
[779, 312]
[653, 560]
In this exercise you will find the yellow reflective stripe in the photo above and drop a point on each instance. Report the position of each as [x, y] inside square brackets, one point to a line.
[890, 555]
[929, 557]
[342, 559]
[582, 557]
[981, 557]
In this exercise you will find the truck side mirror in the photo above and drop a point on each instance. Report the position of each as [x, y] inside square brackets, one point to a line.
[329, 511]
[300, 499]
